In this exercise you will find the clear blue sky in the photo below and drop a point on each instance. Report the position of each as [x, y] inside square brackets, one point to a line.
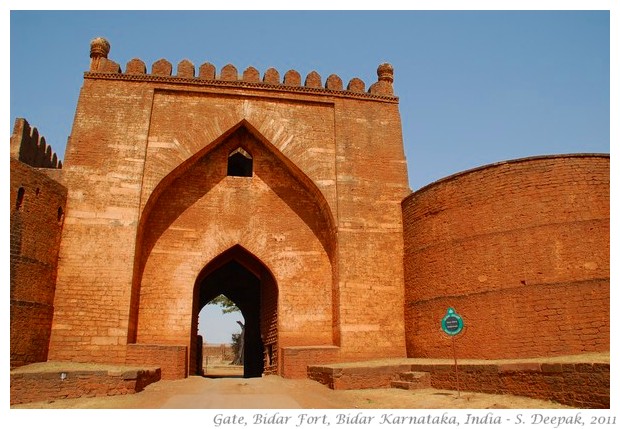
[475, 87]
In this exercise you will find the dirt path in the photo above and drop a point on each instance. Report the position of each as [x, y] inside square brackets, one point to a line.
[273, 392]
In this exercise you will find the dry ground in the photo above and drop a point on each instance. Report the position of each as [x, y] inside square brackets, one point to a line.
[272, 392]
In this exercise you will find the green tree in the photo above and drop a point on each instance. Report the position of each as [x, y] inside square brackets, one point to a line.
[227, 305]
[237, 340]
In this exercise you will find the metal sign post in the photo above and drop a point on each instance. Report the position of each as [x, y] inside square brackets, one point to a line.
[452, 324]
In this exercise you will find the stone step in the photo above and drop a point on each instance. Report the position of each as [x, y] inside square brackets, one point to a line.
[412, 380]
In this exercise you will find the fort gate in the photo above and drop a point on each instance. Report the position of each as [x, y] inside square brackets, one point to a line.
[185, 186]
[291, 198]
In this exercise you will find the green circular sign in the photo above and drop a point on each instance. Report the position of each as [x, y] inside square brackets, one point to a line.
[452, 323]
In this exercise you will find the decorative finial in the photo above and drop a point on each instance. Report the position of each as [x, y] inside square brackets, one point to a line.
[99, 48]
[386, 73]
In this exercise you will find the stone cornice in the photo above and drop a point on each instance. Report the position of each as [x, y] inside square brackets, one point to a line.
[239, 84]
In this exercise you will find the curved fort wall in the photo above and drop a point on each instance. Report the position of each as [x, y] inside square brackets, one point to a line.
[520, 250]
[37, 214]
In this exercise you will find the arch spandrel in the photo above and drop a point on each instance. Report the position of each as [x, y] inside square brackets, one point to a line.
[215, 155]
[305, 136]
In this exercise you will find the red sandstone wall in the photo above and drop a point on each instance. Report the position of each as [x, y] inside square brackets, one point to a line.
[521, 251]
[372, 181]
[217, 353]
[204, 213]
[30, 148]
[295, 360]
[337, 259]
[172, 360]
[103, 169]
[49, 386]
[37, 214]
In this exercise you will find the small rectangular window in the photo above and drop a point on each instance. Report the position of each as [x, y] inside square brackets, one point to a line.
[240, 163]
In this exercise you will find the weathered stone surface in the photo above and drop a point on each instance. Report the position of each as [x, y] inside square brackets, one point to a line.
[175, 190]
[528, 246]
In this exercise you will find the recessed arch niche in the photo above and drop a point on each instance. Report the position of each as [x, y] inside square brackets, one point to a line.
[198, 212]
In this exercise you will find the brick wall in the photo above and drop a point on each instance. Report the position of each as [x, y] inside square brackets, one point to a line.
[172, 360]
[295, 360]
[151, 205]
[37, 214]
[217, 353]
[271, 215]
[521, 251]
[48, 386]
[103, 171]
[30, 148]
[560, 382]
[551, 381]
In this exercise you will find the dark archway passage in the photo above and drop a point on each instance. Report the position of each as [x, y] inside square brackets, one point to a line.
[243, 288]
[246, 281]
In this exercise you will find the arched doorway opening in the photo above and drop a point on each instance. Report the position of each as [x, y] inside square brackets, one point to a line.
[219, 328]
[245, 280]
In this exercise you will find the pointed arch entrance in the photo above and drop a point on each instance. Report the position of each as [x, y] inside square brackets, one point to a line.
[275, 223]
[245, 280]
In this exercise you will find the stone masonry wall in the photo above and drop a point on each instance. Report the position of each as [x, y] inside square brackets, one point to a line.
[37, 214]
[145, 207]
[564, 383]
[48, 386]
[270, 214]
[372, 181]
[103, 169]
[172, 360]
[217, 354]
[520, 250]
[296, 360]
[30, 148]
[547, 380]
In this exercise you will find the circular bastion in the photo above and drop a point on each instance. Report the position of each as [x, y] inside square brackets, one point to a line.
[520, 249]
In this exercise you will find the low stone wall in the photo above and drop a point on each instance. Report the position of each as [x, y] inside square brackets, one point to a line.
[581, 385]
[295, 360]
[50, 385]
[217, 354]
[359, 377]
[171, 359]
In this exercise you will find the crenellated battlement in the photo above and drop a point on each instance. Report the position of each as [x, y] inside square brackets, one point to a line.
[162, 70]
[30, 148]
